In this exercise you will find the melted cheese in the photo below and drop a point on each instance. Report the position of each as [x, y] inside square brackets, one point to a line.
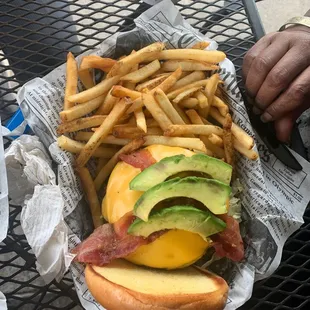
[120, 199]
[161, 151]
[174, 249]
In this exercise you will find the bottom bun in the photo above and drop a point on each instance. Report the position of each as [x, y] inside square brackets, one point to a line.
[125, 286]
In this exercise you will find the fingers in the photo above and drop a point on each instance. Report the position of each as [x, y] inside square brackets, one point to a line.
[281, 75]
[284, 126]
[263, 64]
[292, 99]
[254, 52]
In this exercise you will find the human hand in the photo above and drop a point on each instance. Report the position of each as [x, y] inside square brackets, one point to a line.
[276, 71]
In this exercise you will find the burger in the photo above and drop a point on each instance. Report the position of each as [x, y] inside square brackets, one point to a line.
[165, 207]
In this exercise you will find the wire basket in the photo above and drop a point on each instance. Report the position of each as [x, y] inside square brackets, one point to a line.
[34, 39]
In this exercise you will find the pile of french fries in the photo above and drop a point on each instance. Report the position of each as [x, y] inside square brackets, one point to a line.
[152, 96]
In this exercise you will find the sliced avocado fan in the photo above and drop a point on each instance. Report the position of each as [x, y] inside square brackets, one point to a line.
[212, 193]
[170, 166]
[186, 218]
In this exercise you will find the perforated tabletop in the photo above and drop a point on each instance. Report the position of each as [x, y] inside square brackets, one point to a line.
[34, 39]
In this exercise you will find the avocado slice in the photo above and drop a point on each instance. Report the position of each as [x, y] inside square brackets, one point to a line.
[169, 166]
[212, 193]
[187, 218]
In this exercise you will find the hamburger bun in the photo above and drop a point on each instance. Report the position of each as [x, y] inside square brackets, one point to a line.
[122, 285]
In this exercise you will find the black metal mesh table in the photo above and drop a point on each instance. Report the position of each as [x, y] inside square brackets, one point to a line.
[34, 38]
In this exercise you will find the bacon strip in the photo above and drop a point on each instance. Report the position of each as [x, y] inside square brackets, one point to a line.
[107, 243]
[228, 243]
[141, 159]
[122, 225]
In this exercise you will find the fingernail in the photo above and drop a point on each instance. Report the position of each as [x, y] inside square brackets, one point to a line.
[266, 117]
[257, 111]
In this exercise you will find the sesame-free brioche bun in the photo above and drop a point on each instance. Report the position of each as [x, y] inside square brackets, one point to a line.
[123, 285]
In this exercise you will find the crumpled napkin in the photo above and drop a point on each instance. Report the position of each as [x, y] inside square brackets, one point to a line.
[28, 164]
[47, 234]
[32, 184]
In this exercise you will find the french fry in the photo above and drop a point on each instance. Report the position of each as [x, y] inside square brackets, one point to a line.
[81, 109]
[120, 91]
[216, 140]
[85, 136]
[190, 143]
[124, 66]
[180, 130]
[202, 99]
[174, 93]
[140, 120]
[104, 129]
[186, 94]
[212, 57]
[151, 122]
[149, 85]
[189, 103]
[197, 120]
[101, 162]
[188, 65]
[170, 80]
[157, 113]
[143, 73]
[76, 147]
[161, 73]
[129, 85]
[181, 113]
[222, 107]
[107, 105]
[217, 151]
[91, 195]
[167, 107]
[131, 122]
[201, 45]
[228, 140]
[164, 86]
[194, 117]
[108, 168]
[240, 135]
[188, 79]
[250, 154]
[86, 78]
[80, 124]
[211, 87]
[97, 62]
[134, 132]
[204, 112]
[71, 80]
[94, 92]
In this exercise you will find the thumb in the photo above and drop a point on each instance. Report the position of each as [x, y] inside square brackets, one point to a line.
[285, 125]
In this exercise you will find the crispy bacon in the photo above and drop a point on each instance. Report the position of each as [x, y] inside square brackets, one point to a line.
[121, 226]
[109, 242]
[228, 243]
[141, 159]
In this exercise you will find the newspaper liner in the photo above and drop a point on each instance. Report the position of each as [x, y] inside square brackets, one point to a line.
[274, 197]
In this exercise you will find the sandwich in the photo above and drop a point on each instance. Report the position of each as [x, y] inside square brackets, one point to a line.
[165, 207]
